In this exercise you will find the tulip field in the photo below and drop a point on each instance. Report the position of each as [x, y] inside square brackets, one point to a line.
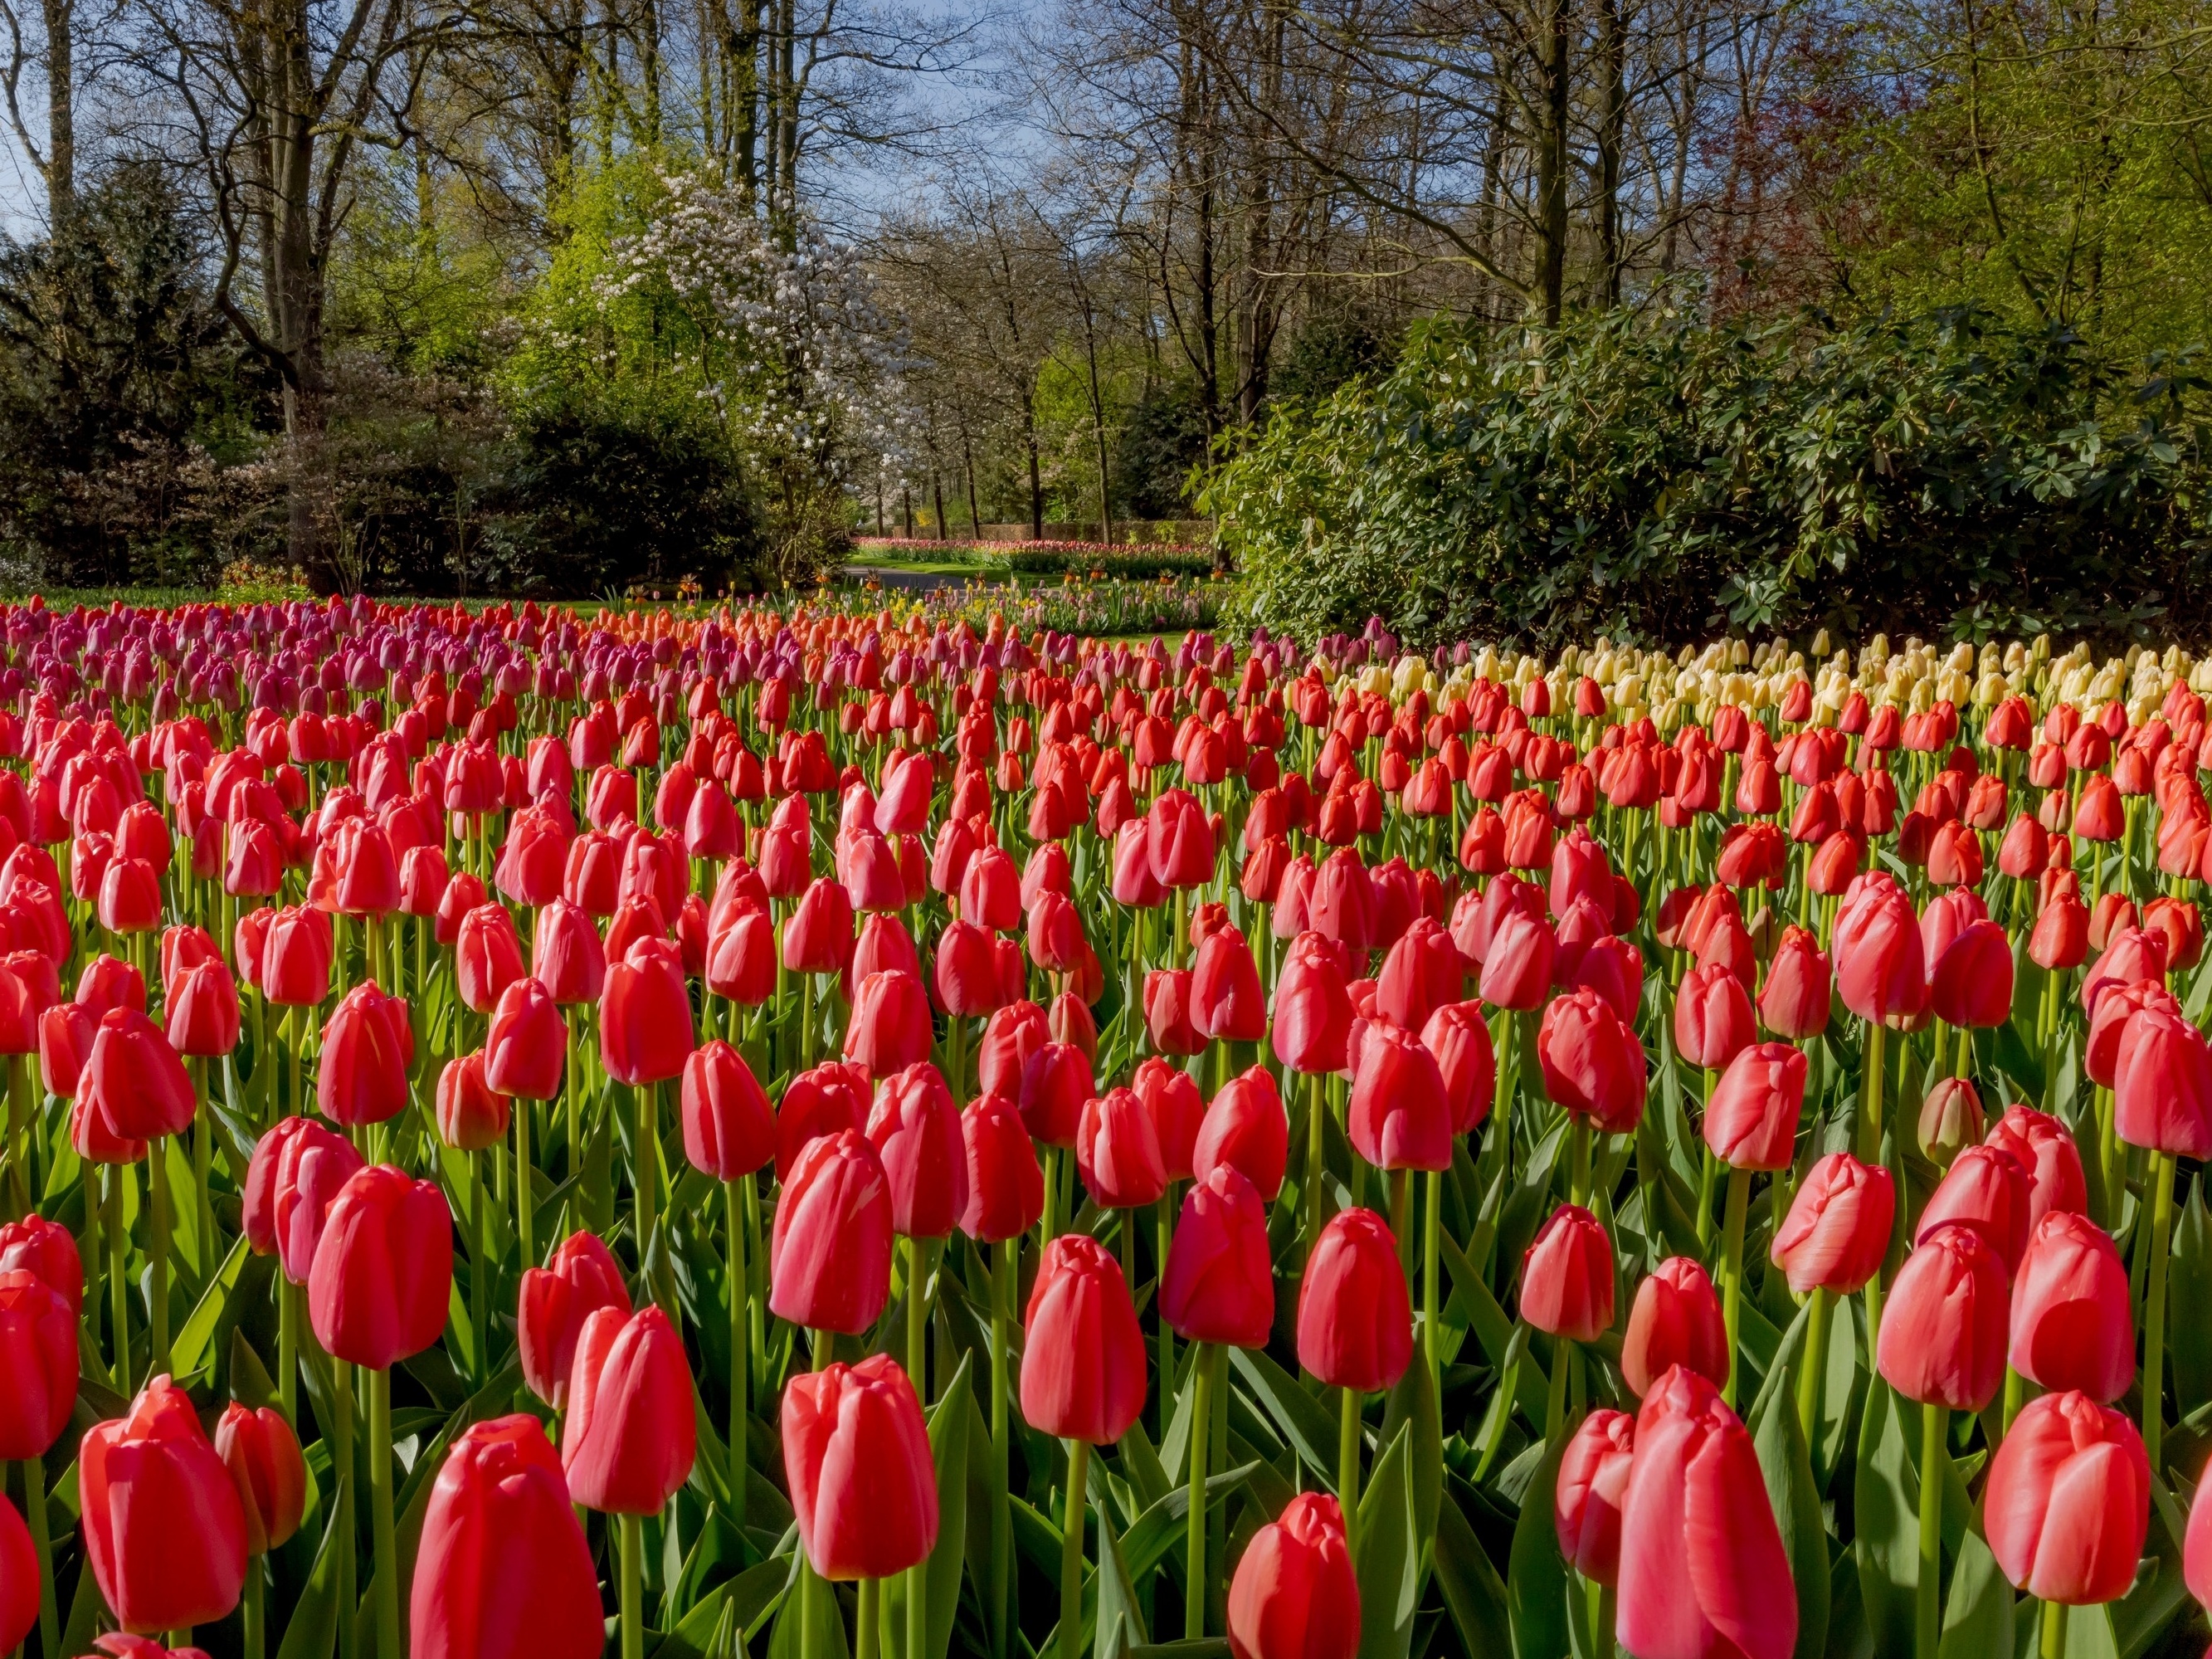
[534, 1133]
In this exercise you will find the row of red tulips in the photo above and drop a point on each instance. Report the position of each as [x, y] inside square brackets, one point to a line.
[629, 1143]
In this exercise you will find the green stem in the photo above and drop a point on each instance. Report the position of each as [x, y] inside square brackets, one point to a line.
[1555, 1403]
[287, 1347]
[380, 1515]
[1201, 1417]
[1738, 1197]
[526, 1219]
[1348, 1463]
[2054, 1630]
[34, 1511]
[1071, 1557]
[341, 1377]
[1870, 1082]
[632, 1530]
[2153, 1372]
[1002, 1540]
[254, 1616]
[479, 1266]
[2016, 1396]
[1927, 1603]
[917, 1367]
[869, 1616]
[119, 1281]
[1579, 1185]
[1163, 1231]
[1431, 1335]
[157, 1191]
[648, 1145]
[1316, 1155]
[740, 1357]
[1812, 1370]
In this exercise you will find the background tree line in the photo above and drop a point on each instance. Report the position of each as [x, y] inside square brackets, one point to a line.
[451, 295]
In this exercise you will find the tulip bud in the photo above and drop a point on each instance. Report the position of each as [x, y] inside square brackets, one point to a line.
[263, 1456]
[916, 1128]
[1355, 1316]
[580, 1278]
[502, 1570]
[164, 1533]
[630, 1434]
[383, 1270]
[1751, 1122]
[1950, 1120]
[863, 1481]
[1566, 1277]
[1838, 1229]
[1593, 1062]
[1295, 1595]
[1943, 1339]
[1247, 1129]
[528, 1042]
[2043, 1148]
[471, 1114]
[1083, 1353]
[1593, 1485]
[2068, 1501]
[2070, 1325]
[1118, 1152]
[830, 1256]
[1675, 1320]
[1218, 1282]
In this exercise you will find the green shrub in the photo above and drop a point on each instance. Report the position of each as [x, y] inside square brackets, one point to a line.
[1650, 475]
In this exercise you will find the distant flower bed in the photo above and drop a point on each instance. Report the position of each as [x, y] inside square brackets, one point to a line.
[1052, 558]
[1073, 605]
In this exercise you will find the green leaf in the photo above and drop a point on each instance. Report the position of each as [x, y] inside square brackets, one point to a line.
[2191, 1286]
[1780, 1442]
[1119, 1619]
[1413, 1402]
[196, 1337]
[1977, 1608]
[1537, 1578]
[312, 1632]
[1387, 1560]
[1474, 1594]
[1308, 1425]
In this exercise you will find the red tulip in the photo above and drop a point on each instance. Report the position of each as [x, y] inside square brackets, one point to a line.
[1398, 1117]
[965, 971]
[1566, 1277]
[566, 955]
[1838, 1229]
[1180, 840]
[1751, 1122]
[1795, 1000]
[2043, 1148]
[1005, 1185]
[916, 1128]
[2068, 1501]
[630, 1434]
[1881, 971]
[164, 1533]
[1226, 1001]
[1593, 1485]
[1675, 1320]
[263, 1455]
[295, 959]
[1056, 1080]
[830, 1256]
[296, 1173]
[1295, 1595]
[366, 1048]
[1942, 1338]
[1167, 1013]
[1985, 1189]
[67, 1032]
[38, 1364]
[201, 1013]
[1592, 1063]
[728, 1130]
[502, 1570]
[1247, 1129]
[645, 1016]
[528, 1042]
[1218, 1283]
[1118, 1152]
[2163, 1085]
[1702, 1572]
[1971, 981]
[863, 1481]
[1083, 1353]
[1355, 1316]
[36, 1245]
[1178, 1110]
[1516, 968]
[818, 938]
[2070, 1325]
[1313, 1010]
[139, 1083]
[890, 1027]
[1459, 1039]
[471, 1114]
[383, 1270]
[1713, 1021]
[580, 1279]
[19, 1578]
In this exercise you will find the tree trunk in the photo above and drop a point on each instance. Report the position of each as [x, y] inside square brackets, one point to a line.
[61, 113]
[1613, 123]
[1552, 161]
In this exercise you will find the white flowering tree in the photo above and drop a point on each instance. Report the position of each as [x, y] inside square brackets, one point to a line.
[805, 369]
